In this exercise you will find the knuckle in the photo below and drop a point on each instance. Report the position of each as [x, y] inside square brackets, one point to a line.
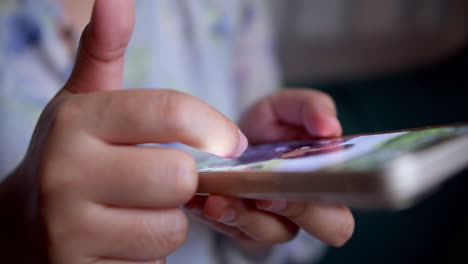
[115, 51]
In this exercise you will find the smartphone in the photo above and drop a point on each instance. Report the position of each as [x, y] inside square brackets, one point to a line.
[388, 170]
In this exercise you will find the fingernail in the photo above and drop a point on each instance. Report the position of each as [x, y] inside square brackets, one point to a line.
[273, 205]
[241, 145]
[228, 216]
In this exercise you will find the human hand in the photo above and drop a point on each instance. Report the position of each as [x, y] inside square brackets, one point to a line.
[287, 115]
[98, 197]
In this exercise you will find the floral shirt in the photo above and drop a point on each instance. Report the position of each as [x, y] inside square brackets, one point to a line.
[219, 51]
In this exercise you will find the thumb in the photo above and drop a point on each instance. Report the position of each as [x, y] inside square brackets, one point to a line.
[100, 60]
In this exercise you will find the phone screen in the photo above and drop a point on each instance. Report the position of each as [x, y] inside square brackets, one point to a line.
[352, 153]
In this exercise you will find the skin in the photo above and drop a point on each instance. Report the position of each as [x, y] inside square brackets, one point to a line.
[86, 194]
[287, 115]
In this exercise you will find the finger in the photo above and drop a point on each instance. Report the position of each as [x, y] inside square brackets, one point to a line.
[196, 205]
[136, 235]
[291, 115]
[141, 177]
[153, 116]
[100, 60]
[332, 224]
[260, 225]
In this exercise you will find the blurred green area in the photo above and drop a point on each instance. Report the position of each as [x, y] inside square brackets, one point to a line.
[434, 230]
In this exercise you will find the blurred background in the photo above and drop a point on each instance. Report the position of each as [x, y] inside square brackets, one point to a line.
[389, 64]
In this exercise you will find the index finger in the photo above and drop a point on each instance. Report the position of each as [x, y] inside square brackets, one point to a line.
[153, 116]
